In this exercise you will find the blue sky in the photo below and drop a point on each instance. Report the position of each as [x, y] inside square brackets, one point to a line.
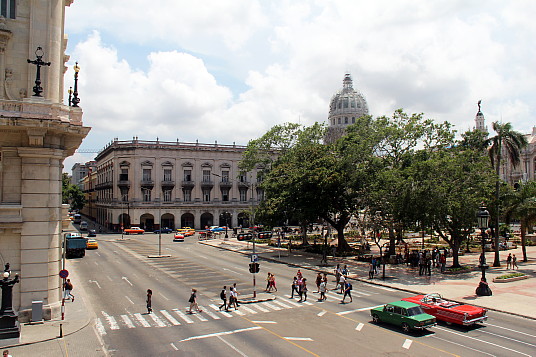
[229, 70]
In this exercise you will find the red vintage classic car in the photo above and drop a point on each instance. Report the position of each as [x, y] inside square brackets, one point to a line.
[449, 311]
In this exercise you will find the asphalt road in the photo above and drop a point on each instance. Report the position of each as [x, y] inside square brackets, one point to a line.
[116, 276]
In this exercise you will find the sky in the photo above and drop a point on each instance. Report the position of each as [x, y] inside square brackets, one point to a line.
[227, 71]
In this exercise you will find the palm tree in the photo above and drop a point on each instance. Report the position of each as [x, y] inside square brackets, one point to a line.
[522, 206]
[512, 142]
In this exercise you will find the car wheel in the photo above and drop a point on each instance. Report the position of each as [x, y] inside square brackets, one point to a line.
[405, 327]
[376, 319]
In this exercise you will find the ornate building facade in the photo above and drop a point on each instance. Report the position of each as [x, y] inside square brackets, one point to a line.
[155, 184]
[37, 132]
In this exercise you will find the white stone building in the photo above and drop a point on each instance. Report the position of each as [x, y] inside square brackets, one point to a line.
[36, 134]
[186, 184]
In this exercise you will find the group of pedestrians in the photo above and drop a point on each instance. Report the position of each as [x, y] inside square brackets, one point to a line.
[299, 286]
[511, 262]
[233, 298]
[270, 283]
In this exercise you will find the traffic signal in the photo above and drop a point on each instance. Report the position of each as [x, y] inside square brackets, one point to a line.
[254, 267]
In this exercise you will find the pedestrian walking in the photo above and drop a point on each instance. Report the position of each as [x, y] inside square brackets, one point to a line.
[294, 288]
[514, 263]
[6, 353]
[443, 262]
[428, 265]
[345, 271]
[149, 301]
[193, 302]
[371, 270]
[68, 288]
[342, 281]
[337, 276]
[322, 288]
[303, 290]
[509, 261]
[236, 293]
[268, 282]
[347, 292]
[271, 283]
[233, 298]
[223, 297]
[318, 281]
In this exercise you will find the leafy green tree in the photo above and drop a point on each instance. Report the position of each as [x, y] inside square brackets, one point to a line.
[521, 205]
[509, 142]
[72, 194]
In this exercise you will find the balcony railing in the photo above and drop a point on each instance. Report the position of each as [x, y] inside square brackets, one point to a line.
[147, 183]
[168, 183]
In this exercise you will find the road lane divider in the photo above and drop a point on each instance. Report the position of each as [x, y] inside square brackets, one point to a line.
[407, 344]
[359, 327]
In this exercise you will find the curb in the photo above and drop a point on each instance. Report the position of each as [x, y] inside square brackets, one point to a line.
[372, 283]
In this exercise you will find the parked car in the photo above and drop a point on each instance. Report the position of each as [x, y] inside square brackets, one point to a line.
[405, 314]
[92, 233]
[216, 229]
[178, 237]
[134, 230]
[449, 311]
[186, 231]
[92, 244]
[164, 230]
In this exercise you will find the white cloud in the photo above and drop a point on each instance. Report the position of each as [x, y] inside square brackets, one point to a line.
[229, 70]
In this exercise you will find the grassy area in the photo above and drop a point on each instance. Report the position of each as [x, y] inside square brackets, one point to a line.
[511, 275]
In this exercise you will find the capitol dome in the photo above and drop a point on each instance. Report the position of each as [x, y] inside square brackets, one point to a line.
[346, 106]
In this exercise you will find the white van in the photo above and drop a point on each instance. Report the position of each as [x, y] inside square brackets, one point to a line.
[83, 226]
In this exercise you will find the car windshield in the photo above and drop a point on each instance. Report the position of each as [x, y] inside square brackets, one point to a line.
[412, 311]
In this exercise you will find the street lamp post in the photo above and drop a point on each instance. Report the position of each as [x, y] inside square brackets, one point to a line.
[75, 99]
[38, 63]
[483, 221]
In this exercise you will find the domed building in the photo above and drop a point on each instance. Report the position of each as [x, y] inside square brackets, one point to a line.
[346, 106]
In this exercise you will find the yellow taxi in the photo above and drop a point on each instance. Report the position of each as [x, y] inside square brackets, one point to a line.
[186, 231]
[92, 244]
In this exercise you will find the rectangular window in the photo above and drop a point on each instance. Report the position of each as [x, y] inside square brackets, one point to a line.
[206, 175]
[242, 177]
[187, 175]
[123, 176]
[187, 192]
[8, 8]
[146, 195]
[243, 195]
[146, 175]
[225, 176]
[206, 195]
[167, 195]
[167, 175]
[225, 194]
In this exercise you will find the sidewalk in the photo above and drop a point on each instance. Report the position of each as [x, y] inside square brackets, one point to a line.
[514, 298]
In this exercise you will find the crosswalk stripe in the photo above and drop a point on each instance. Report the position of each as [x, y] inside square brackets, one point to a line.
[248, 309]
[224, 313]
[183, 316]
[273, 307]
[100, 327]
[260, 308]
[158, 320]
[238, 312]
[307, 303]
[211, 314]
[200, 317]
[170, 318]
[111, 321]
[292, 302]
[127, 321]
[141, 320]
[281, 304]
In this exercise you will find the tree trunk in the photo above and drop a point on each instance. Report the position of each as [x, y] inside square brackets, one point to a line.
[342, 244]
[304, 234]
[523, 239]
[455, 250]
[392, 242]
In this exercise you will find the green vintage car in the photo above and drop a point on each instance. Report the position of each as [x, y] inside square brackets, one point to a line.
[406, 314]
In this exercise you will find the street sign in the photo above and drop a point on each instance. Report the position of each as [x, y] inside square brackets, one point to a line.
[254, 257]
[64, 273]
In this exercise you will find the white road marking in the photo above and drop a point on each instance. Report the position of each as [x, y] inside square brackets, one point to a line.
[183, 316]
[321, 313]
[141, 320]
[307, 303]
[298, 338]
[163, 296]
[100, 327]
[96, 282]
[264, 322]
[459, 344]
[224, 313]
[96, 263]
[221, 333]
[233, 347]
[127, 321]
[98, 253]
[294, 303]
[109, 278]
[477, 339]
[132, 302]
[359, 326]
[383, 288]
[159, 322]
[232, 271]
[357, 310]
[200, 317]
[211, 314]
[281, 304]
[260, 308]
[174, 347]
[273, 307]
[125, 279]
[238, 312]
[507, 338]
[509, 329]
[111, 321]
[407, 344]
[170, 318]
[248, 309]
